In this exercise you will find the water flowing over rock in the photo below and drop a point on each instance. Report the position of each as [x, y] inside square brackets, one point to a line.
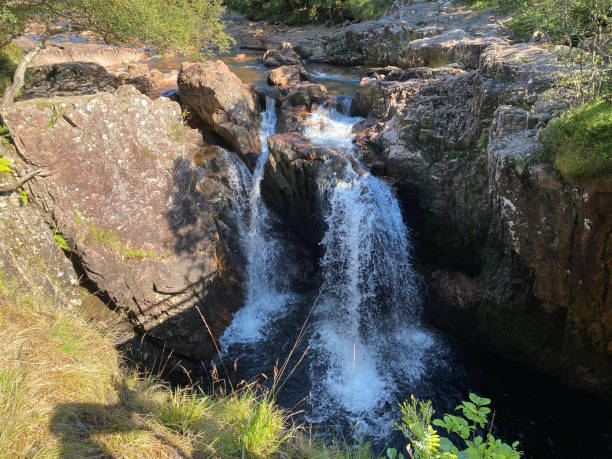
[267, 292]
[224, 104]
[500, 233]
[143, 207]
[296, 174]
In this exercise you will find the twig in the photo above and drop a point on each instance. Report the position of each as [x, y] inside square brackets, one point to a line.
[24, 179]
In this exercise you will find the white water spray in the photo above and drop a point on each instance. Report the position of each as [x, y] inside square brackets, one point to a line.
[267, 291]
[367, 332]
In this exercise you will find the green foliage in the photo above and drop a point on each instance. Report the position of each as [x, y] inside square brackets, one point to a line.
[59, 240]
[5, 165]
[581, 141]
[23, 196]
[308, 11]
[5, 135]
[57, 111]
[184, 410]
[176, 24]
[426, 443]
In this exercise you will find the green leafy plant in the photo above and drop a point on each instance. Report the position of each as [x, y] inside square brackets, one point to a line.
[5, 165]
[59, 240]
[23, 196]
[5, 135]
[426, 443]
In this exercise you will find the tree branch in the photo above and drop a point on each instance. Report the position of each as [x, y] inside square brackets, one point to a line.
[18, 79]
[24, 179]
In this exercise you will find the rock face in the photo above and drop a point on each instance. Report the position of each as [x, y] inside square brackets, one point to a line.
[515, 256]
[67, 79]
[66, 51]
[295, 177]
[79, 78]
[224, 104]
[149, 225]
[414, 34]
[284, 55]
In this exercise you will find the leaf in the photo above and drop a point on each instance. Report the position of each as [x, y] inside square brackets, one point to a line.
[445, 444]
[5, 165]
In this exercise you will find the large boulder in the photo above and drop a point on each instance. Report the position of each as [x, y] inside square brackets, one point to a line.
[143, 206]
[224, 104]
[283, 55]
[75, 78]
[67, 79]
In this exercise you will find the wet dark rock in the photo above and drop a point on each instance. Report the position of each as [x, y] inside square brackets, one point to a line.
[296, 176]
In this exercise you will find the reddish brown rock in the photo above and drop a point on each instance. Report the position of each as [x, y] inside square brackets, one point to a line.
[145, 222]
[285, 55]
[223, 103]
[288, 74]
[104, 55]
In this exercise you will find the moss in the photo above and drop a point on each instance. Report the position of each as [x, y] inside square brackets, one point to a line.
[581, 141]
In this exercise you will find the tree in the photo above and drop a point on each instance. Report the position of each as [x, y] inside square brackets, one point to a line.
[165, 24]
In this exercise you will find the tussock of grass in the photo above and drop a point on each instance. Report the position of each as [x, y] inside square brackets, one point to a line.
[65, 393]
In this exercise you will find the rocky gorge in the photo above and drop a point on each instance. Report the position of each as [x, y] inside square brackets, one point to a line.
[504, 253]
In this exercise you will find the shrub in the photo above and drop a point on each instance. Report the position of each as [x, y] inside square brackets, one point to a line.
[581, 141]
[426, 442]
[307, 11]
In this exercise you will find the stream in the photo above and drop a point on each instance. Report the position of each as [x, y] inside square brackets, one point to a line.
[345, 354]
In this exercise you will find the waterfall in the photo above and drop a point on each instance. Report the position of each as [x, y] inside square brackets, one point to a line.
[367, 334]
[267, 290]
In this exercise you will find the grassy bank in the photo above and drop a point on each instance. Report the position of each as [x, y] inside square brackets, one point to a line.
[580, 141]
[65, 392]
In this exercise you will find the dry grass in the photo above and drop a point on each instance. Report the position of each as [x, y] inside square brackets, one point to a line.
[65, 393]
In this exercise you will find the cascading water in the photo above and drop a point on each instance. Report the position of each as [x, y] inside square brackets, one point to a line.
[267, 290]
[366, 321]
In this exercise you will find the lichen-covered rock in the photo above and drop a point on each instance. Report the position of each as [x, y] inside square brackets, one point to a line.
[224, 104]
[147, 224]
[288, 74]
[284, 55]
